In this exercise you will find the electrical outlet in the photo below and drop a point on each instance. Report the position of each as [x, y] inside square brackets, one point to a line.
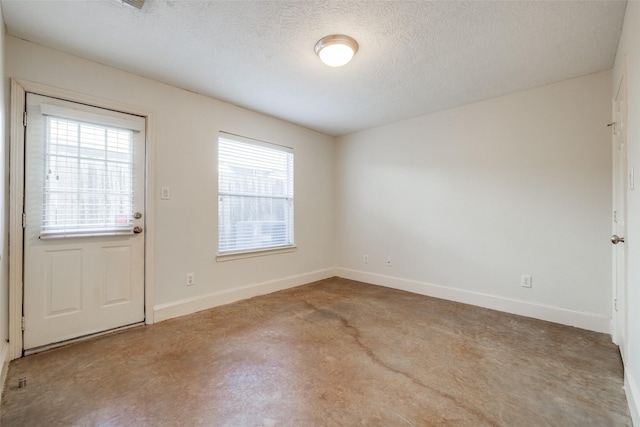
[388, 262]
[191, 279]
[526, 280]
[366, 259]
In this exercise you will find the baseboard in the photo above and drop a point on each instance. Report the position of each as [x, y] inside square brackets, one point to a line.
[204, 302]
[633, 397]
[579, 319]
[4, 366]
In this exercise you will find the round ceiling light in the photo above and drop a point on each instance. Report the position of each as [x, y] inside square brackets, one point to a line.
[336, 50]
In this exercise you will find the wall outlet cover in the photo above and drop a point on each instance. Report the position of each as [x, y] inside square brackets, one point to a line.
[526, 280]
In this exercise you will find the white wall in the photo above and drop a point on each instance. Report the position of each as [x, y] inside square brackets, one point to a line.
[184, 138]
[467, 200]
[629, 47]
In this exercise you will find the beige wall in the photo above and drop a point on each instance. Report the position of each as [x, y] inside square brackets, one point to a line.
[184, 138]
[465, 201]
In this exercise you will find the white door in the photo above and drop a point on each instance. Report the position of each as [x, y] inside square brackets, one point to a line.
[620, 185]
[83, 236]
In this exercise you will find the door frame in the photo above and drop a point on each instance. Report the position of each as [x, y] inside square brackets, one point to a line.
[19, 88]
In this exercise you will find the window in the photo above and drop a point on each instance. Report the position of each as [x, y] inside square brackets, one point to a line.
[88, 176]
[255, 195]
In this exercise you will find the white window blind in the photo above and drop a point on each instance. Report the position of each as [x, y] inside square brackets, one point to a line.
[88, 176]
[255, 195]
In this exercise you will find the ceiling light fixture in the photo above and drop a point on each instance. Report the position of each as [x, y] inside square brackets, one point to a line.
[336, 50]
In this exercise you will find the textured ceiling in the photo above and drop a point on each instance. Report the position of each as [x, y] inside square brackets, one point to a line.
[415, 57]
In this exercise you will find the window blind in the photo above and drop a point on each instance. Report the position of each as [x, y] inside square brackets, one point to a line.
[88, 178]
[255, 195]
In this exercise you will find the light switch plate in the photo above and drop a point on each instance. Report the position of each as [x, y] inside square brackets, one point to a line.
[165, 194]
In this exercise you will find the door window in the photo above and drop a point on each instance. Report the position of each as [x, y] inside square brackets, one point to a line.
[88, 176]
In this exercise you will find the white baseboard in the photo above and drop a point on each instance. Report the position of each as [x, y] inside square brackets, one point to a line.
[4, 366]
[633, 397]
[579, 319]
[204, 302]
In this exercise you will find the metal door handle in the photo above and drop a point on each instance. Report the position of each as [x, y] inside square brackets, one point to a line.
[137, 229]
[615, 239]
[137, 215]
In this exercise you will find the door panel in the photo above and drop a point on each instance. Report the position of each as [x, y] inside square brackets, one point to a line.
[117, 272]
[84, 180]
[63, 281]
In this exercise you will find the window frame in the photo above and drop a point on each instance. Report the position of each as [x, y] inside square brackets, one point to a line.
[264, 250]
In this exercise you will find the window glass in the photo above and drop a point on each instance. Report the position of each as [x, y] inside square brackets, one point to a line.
[88, 179]
[255, 195]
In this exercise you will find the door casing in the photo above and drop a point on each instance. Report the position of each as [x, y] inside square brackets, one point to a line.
[16, 198]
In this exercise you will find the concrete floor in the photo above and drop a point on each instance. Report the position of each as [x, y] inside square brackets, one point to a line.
[336, 353]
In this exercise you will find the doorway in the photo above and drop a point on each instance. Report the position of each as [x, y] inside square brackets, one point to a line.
[79, 217]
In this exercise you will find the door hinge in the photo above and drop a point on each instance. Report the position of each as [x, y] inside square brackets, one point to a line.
[615, 304]
[24, 220]
[22, 323]
[615, 216]
[24, 119]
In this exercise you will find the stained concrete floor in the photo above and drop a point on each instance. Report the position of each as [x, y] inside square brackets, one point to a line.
[332, 353]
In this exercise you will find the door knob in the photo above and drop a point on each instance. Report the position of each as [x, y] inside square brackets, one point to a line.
[137, 215]
[615, 239]
[137, 229]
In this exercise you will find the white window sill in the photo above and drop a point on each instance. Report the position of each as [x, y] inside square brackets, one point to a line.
[255, 253]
